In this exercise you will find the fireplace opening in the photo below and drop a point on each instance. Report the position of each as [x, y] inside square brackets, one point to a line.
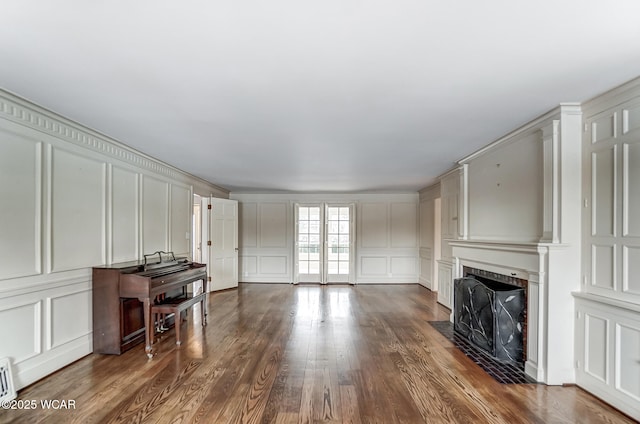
[490, 312]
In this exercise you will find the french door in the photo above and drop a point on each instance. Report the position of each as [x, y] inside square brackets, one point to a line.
[324, 243]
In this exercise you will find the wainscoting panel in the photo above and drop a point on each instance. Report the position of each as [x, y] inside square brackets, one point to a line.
[373, 266]
[273, 224]
[248, 236]
[597, 342]
[631, 189]
[125, 218]
[603, 259]
[69, 316]
[21, 194]
[274, 265]
[249, 265]
[155, 215]
[22, 326]
[604, 127]
[403, 266]
[608, 350]
[603, 192]
[426, 265]
[77, 219]
[627, 362]
[404, 225]
[373, 225]
[631, 270]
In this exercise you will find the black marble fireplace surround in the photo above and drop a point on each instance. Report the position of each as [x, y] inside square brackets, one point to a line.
[491, 315]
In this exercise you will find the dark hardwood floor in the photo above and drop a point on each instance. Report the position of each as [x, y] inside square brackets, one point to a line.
[304, 354]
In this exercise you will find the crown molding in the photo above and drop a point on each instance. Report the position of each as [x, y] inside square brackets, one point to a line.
[23, 112]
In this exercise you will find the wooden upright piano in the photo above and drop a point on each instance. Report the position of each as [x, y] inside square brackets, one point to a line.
[124, 293]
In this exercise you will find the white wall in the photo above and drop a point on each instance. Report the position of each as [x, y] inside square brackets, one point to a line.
[505, 191]
[386, 236]
[73, 199]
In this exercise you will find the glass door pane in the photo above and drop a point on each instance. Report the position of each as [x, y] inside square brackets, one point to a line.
[309, 250]
[338, 247]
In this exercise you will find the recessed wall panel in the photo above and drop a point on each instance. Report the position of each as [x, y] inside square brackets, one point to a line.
[77, 211]
[124, 214]
[631, 119]
[249, 265]
[603, 128]
[20, 209]
[69, 318]
[631, 194]
[631, 269]
[273, 224]
[22, 327]
[273, 265]
[602, 262]
[596, 343]
[373, 266]
[505, 193]
[404, 225]
[603, 168]
[403, 266]
[373, 224]
[248, 224]
[155, 214]
[628, 360]
[180, 219]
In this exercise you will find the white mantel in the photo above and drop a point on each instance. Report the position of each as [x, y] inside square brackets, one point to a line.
[520, 202]
[549, 314]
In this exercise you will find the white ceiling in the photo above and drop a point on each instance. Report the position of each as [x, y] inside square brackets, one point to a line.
[314, 96]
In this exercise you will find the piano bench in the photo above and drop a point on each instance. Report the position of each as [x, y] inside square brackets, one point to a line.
[176, 306]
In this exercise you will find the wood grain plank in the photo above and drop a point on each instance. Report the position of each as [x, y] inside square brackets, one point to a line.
[276, 353]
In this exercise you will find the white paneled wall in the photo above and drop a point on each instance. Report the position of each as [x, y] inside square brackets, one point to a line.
[608, 306]
[386, 236]
[72, 199]
[387, 246]
[265, 241]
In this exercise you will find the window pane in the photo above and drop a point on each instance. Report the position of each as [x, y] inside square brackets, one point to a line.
[333, 227]
[314, 213]
[333, 214]
[344, 213]
[344, 227]
[303, 213]
[333, 267]
[304, 227]
[314, 267]
[314, 227]
[303, 267]
[343, 268]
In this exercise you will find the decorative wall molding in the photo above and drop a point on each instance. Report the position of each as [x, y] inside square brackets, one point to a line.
[20, 111]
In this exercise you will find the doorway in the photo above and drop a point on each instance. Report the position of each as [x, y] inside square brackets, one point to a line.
[324, 243]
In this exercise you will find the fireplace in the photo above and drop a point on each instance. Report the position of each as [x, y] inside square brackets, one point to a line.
[490, 311]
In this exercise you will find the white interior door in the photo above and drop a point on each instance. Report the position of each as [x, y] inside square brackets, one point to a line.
[223, 243]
